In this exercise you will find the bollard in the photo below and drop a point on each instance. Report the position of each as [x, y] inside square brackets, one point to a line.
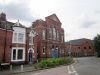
[10, 67]
[21, 67]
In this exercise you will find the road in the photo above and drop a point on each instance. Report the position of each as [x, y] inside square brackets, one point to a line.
[83, 66]
[87, 66]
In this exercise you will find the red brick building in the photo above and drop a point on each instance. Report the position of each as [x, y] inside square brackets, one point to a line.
[50, 34]
[80, 47]
[30, 34]
[5, 38]
[19, 44]
[13, 45]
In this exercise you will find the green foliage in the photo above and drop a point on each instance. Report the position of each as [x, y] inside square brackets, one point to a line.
[97, 44]
[53, 62]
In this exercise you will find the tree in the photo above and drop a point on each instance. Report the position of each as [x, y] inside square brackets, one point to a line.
[97, 44]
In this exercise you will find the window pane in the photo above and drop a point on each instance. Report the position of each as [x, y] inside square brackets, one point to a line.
[43, 34]
[54, 33]
[50, 33]
[43, 49]
[14, 54]
[20, 37]
[57, 35]
[62, 38]
[30, 40]
[20, 54]
[15, 37]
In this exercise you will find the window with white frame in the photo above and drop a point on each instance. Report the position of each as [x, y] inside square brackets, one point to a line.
[18, 38]
[15, 37]
[18, 54]
[30, 40]
[14, 54]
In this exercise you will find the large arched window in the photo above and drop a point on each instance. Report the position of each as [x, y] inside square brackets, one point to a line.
[62, 38]
[44, 34]
[57, 35]
[54, 34]
[50, 33]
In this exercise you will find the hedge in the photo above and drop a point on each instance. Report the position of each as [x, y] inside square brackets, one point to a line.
[53, 62]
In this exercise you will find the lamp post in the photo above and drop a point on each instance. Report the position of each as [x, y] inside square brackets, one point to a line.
[69, 51]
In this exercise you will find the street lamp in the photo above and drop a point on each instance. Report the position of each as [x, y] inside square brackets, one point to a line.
[69, 51]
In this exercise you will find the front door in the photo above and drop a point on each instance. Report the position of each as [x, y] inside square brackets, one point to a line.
[30, 56]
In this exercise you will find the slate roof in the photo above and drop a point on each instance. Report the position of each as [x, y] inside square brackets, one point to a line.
[9, 25]
[6, 25]
[77, 41]
[17, 24]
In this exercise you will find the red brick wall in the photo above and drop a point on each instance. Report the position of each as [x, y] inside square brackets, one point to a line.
[79, 50]
[88, 51]
[40, 25]
[7, 47]
[29, 46]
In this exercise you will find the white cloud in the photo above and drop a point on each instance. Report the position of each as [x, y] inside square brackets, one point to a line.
[87, 21]
[18, 10]
[80, 18]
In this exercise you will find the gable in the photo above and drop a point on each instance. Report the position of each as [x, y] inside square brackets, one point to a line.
[54, 17]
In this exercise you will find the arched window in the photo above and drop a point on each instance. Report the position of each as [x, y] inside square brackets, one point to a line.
[54, 34]
[50, 33]
[30, 40]
[43, 50]
[43, 35]
[62, 38]
[57, 35]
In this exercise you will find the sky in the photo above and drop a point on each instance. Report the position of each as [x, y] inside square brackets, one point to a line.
[79, 18]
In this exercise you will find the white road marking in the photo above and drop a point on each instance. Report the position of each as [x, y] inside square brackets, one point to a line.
[71, 70]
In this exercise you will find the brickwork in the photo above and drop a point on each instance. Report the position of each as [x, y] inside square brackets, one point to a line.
[5, 45]
[45, 45]
[84, 48]
[49, 35]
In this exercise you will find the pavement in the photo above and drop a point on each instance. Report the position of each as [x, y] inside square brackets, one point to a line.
[18, 70]
[82, 66]
[62, 70]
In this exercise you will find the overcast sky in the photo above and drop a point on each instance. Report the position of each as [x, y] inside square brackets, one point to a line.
[80, 18]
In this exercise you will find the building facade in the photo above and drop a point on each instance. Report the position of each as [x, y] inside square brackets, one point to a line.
[50, 36]
[20, 44]
[13, 46]
[6, 32]
[80, 47]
